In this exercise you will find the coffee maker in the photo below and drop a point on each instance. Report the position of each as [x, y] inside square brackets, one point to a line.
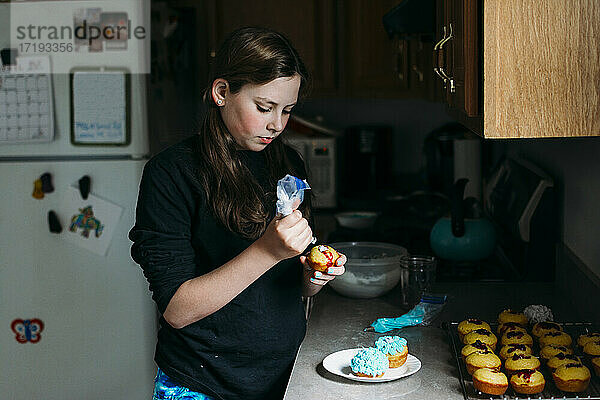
[366, 160]
[453, 152]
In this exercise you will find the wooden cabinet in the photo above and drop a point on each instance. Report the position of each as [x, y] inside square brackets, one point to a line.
[519, 69]
[375, 65]
[310, 26]
[343, 43]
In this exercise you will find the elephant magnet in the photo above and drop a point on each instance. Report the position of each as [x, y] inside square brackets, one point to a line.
[86, 221]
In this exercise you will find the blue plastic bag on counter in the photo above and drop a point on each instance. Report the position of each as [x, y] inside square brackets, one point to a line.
[422, 314]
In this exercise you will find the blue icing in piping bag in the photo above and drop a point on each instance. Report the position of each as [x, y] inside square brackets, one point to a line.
[421, 314]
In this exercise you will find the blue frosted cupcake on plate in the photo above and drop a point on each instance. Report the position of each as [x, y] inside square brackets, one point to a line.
[369, 363]
[395, 348]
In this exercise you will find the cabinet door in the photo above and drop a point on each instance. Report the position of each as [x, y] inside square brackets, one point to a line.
[458, 55]
[310, 26]
[374, 64]
[542, 68]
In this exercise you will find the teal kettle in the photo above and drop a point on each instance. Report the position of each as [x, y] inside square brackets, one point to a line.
[464, 235]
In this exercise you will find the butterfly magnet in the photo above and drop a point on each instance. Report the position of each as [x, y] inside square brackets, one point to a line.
[27, 330]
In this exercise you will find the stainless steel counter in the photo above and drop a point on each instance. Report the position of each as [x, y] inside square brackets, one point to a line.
[336, 323]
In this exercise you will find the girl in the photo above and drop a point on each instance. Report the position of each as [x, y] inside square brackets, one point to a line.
[225, 271]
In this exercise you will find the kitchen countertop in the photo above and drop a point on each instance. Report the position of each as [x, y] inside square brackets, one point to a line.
[337, 323]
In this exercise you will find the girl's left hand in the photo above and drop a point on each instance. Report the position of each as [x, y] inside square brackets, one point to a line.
[321, 278]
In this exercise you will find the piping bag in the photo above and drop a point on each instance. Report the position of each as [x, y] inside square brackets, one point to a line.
[290, 194]
[422, 314]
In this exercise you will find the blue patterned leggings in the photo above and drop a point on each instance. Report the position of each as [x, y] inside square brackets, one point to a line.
[167, 389]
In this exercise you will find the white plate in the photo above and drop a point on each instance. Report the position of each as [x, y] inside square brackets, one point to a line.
[338, 363]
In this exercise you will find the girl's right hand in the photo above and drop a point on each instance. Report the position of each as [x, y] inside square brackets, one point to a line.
[286, 237]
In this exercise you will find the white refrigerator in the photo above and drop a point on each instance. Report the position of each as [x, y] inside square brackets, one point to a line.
[76, 317]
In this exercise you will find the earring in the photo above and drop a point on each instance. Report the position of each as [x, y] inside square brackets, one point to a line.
[219, 102]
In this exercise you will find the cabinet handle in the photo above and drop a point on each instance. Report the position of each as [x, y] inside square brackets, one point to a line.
[449, 79]
[436, 56]
[441, 69]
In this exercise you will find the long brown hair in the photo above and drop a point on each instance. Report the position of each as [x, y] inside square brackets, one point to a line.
[247, 56]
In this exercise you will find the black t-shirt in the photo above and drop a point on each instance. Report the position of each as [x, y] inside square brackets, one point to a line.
[245, 349]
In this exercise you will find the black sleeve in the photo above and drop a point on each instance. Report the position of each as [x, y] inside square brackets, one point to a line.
[162, 233]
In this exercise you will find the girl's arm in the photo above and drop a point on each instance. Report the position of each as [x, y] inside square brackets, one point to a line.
[201, 296]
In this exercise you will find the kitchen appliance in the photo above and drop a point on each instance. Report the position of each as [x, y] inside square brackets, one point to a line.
[453, 152]
[317, 146]
[521, 200]
[372, 269]
[465, 234]
[78, 321]
[367, 160]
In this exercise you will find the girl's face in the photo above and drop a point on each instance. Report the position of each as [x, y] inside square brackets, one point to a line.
[257, 114]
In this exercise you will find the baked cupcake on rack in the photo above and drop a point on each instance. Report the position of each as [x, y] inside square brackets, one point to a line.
[475, 347]
[596, 365]
[572, 377]
[478, 360]
[547, 352]
[510, 327]
[395, 348]
[585, 338]
[469, 325]
[591, 350]
[510, 350]
[539, 329]
[510, 315]
[369, 363]
[528, 381]
[556, 338]
[561, 359]
[483, 335]
[490, 381]
[519, 362]
[516, 337]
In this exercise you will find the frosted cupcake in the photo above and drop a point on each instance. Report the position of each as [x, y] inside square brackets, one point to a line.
[369, 363]
[395, 348]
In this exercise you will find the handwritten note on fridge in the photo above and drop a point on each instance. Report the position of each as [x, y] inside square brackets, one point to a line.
[99, 107]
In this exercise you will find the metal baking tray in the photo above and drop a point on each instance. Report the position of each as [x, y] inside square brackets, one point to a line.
[551, 392]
